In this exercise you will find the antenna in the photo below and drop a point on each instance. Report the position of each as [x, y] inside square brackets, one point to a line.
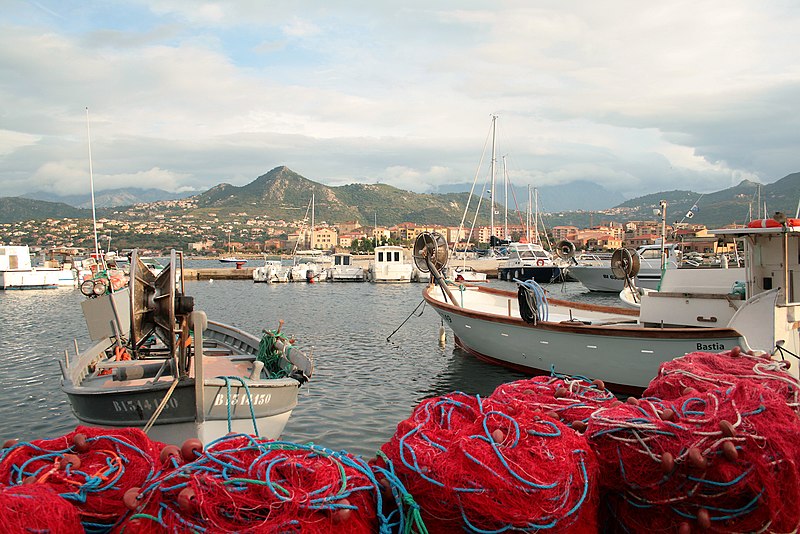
[91, 184]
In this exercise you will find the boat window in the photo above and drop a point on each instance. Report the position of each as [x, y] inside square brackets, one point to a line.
[397, 256]
[651, 254]
[525, 254]
[540, 254]
[380, 256]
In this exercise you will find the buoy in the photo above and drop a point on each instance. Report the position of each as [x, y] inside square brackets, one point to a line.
[7, 444]
[187, 500]
[727, 429]
[560, 392]
[191, 449]
[498, 436]
[131, 498]
[729, 451]
[667, 462]
[168, 452]
[342, 514]
[73, 460]
[599, 384]
[442, 336]
[667, 415]
[80, 443]
[736, 351]
[633, 401]
[696, 457]
[703, 518]
[579, 426]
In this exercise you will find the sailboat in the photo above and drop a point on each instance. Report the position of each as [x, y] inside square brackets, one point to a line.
[230, 258]
[310, 265]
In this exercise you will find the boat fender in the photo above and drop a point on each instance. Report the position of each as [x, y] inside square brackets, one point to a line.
[540, 262]
[729, 451]
[696, 457]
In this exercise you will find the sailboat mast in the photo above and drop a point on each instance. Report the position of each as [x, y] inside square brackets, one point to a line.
[494, 161]
[91, 184]
[528, 215]
[312, 221]
[536, 214]
[505, 213]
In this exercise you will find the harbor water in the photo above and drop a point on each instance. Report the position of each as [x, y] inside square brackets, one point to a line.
[376, 349]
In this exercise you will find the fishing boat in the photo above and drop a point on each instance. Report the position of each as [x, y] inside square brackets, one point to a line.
[343, 269]
[17, 271]
[310, 266]
[160, 365]
[390, 264]
[530, 261]
[530, 331]
[600, 276]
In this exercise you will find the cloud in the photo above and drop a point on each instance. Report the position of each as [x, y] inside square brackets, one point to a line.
[186, 94]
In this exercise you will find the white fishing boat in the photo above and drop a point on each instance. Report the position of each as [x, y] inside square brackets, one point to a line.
[390, 264]
[17, 271]
[272, 272]
[529, 331]
[162, 366]
[231, 258]
[600, 276]
[343, 269]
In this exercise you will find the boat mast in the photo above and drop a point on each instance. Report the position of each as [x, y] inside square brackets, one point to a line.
[536, 214]
[492, 172]
[528, 216]
[505, 213]
[91, 185]
[312, 221]
[663, 205]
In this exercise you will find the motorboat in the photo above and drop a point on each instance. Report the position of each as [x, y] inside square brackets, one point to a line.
[530, 261]
[390, 264]
[160, 365]
[17, 271]
[530, 331]
[310, 266]
[272, 272]
[343, 269]
[598, 275]
[466, 273]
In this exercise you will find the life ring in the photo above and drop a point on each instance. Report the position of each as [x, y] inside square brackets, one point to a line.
[539, 262]
[771, 223]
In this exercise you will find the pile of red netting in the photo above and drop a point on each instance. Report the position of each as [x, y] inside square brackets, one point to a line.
[36, 508]
[704, 371]
[241, 483]
[473, 466]
[571, 400]
[725, 460]
[90, 468]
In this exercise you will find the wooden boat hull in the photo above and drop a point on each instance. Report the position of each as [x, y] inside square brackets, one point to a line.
[626, 356]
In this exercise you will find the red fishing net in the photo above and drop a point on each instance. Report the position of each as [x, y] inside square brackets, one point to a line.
[472, 466]
[89, 467]
[705, 371]
[37, 508]
[569, 399]
[246, 484]
[725, 461]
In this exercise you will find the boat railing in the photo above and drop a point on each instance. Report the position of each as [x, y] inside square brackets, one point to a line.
[75, 372]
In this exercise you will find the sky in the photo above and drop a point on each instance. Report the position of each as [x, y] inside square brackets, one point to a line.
[183, 95]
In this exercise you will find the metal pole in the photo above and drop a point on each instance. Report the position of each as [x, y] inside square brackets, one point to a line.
[663, 234]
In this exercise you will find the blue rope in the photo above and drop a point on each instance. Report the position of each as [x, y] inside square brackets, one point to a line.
[227, 380]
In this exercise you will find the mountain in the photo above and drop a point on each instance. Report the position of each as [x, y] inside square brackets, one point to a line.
[735, 204]
[14, 209]
[283, 194]
[578, 195]
[110, 198]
